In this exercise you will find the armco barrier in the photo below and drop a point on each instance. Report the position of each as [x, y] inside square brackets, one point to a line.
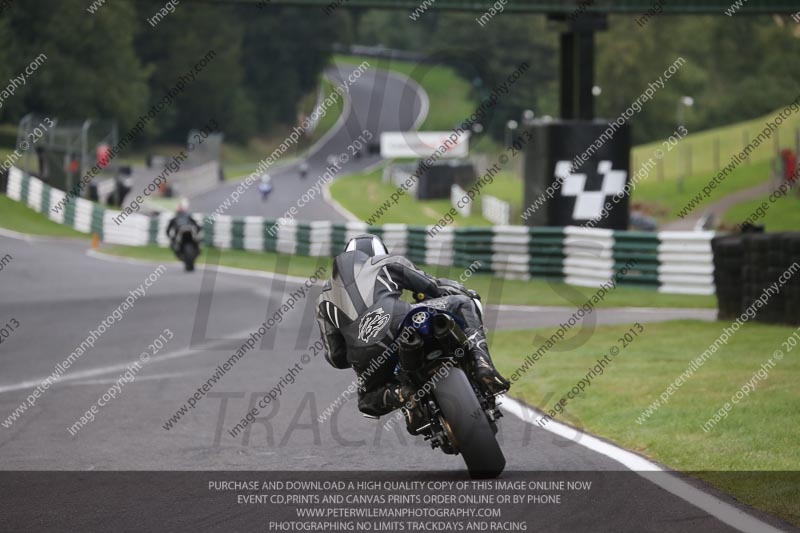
[674, 262]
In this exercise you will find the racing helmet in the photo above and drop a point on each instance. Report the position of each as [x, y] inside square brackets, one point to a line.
[183, 206]
[369, 244]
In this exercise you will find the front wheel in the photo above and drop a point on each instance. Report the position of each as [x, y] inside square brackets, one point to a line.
[469, 427]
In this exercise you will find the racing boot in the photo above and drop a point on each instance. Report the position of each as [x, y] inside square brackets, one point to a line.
[402, 397]
[485, 371]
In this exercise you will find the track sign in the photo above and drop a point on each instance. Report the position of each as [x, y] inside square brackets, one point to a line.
[423, 144]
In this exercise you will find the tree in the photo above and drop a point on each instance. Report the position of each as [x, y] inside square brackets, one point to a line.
[177, 47]
[487, 56]
[285, 50]
[91, 70]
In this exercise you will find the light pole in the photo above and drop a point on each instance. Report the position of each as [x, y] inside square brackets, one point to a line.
[527, 117]
[683, 103]
[511, 126]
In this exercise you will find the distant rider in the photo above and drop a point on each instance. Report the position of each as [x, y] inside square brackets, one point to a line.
[181, 218]
[265, 186]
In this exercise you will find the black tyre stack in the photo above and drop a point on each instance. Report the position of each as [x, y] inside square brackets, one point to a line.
[791, 291]
[728, 252]
[746, 264]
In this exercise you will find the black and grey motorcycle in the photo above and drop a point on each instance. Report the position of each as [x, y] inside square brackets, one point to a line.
[460, 414]
[186, 245]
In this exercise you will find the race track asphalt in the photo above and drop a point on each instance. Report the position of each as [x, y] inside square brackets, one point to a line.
[58, 294]
[378, 101]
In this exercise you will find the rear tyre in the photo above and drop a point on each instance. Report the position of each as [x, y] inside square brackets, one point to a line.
[474, 437]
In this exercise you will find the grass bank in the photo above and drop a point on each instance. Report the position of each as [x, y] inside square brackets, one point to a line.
[450, 95]
[757, 435]
[21, 218]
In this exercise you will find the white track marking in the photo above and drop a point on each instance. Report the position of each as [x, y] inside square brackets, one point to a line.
[550, 309]
[423, 97]
[339, 124]
[326, 195]
[329, 199]
[109, 381]
[723, 511]
[74, 376]
[30, 237]
[199, 266]
[103, 370]
[420, 118]
[424, 107]
[16, 235]
[100, 371]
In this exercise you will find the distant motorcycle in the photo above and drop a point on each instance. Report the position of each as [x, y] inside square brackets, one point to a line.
[186, 245]
[265, 187]
[303, 170]
[461, 416]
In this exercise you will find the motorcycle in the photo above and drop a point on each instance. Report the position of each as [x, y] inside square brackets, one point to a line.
[186, 245]
[460, 416]
[264, 188]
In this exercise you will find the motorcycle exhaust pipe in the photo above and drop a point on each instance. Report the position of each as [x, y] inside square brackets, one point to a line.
[410, 350]
[447, 332]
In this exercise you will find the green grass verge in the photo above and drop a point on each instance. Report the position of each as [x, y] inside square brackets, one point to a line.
[363, 193]
[18, 217]
[757, 435]
[731, 139]
[450, 95]
[331, 116]
[241, 160]
[783, 214]
[664, 199]
[508, 187]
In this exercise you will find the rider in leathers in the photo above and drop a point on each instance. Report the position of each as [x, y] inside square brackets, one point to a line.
[181, 218]
[360, 312]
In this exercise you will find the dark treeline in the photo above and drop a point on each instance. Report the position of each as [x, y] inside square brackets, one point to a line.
[736, 67]
[113, 64]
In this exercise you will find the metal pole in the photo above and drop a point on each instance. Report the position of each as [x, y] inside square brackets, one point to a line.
[84, 142]
[746, 142]
[567, 75]
[689, 160]
[797, 140]
[585, 98]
